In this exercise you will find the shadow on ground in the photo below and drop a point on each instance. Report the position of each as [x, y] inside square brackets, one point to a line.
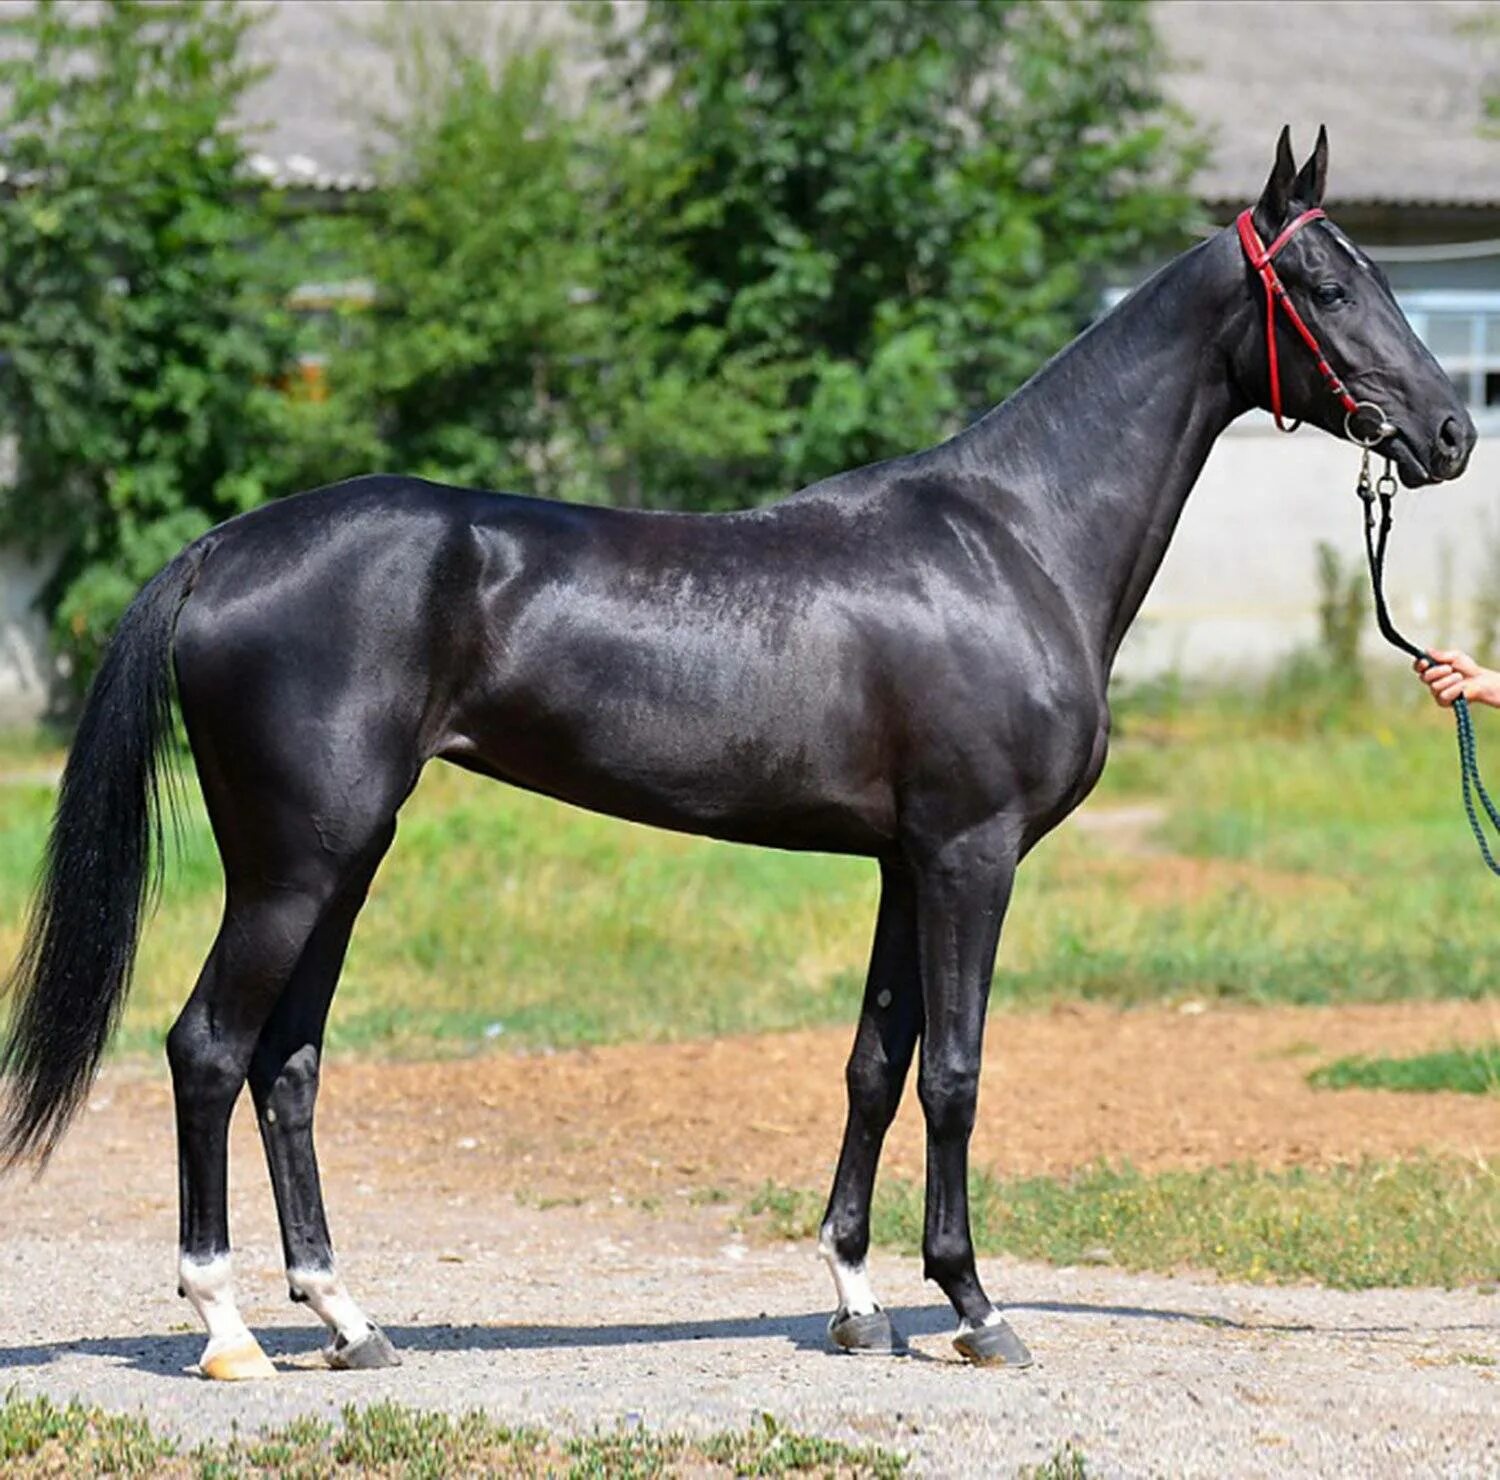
[177, 1353]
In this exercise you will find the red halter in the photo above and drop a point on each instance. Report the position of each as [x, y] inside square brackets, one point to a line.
[1260, 256]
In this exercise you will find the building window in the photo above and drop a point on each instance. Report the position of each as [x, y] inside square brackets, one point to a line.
[1462, 329]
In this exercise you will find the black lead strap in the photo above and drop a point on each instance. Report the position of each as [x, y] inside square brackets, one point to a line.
[1381, 494]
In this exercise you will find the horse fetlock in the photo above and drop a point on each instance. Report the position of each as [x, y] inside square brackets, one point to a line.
[859, 1325]
[948, 1261]
[856, 1295]
[209, 1284]
[324, 1291]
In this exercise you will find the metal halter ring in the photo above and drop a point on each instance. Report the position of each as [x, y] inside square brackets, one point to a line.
[1382, 431]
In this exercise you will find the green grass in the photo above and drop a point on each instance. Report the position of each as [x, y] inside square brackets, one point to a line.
[501, 918]
[1066, 1463]
[1428, 1221]
[42, 1438]
[1467, 1071]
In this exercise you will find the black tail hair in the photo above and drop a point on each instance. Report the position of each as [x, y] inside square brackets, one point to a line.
[103, 866]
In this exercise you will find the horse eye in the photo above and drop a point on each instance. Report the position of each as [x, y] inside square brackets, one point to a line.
[1329, 293]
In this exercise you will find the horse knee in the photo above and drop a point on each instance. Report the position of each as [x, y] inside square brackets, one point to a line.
[949, 1095]
[285, 1087]
[873, 1084]
[207, 1070]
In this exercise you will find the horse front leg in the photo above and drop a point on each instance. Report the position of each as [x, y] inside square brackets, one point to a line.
[889, 1022]
[962, 892]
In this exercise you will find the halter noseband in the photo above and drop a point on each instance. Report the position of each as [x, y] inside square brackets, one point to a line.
[1260, 258]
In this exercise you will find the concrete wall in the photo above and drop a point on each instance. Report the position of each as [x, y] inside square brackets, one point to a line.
[25, 664]
[1238, 588]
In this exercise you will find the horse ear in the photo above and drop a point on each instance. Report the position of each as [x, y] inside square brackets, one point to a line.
[1270, 210]
[1312, 179]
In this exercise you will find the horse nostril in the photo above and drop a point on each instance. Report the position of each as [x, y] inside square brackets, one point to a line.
[1451, 449]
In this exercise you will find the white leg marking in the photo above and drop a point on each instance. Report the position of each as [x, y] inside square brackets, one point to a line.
[856, 1295]
[209, 1284]
[994, 1318]
[335, 1307]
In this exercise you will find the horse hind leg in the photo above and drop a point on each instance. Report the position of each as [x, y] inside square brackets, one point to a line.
[284, 1074]
[889, 1024]
[209, 1049]
[293, 842]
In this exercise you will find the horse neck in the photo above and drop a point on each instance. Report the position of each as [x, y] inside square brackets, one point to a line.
[1093, 459]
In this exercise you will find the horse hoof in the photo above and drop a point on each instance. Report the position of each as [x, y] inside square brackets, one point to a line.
[372, 1350]
[870, 1335]
[242, 1362]
[992, 1346]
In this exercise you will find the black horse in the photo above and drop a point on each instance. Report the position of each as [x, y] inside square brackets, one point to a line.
[906, 662]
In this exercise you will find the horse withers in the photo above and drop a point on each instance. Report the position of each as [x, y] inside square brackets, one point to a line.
[906, 662]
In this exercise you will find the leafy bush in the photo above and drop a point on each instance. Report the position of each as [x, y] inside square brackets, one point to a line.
[888, 214]
[142, 339]
[779, 239]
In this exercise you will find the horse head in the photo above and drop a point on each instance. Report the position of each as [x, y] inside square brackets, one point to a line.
[1353, 347]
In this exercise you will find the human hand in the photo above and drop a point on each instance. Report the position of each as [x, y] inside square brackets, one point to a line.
[1453, 674]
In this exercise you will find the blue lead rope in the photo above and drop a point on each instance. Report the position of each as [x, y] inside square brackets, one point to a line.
[1377, 532]
[1473, 785]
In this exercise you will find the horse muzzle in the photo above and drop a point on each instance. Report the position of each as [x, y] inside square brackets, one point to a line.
[1439, 459]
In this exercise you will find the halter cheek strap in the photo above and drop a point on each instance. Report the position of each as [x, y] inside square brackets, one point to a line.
[1260, 258]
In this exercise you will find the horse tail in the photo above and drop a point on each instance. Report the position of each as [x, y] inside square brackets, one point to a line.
[102, 868]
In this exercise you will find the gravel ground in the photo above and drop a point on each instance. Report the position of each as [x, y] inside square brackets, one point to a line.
[592, 1317]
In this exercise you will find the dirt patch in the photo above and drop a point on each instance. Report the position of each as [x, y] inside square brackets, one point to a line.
[1138, 861]
[1180, 878]
[1062, 1088]
[1130, 830]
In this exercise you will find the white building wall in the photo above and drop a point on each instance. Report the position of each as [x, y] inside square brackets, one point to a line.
[25, 663]
[1238, 589]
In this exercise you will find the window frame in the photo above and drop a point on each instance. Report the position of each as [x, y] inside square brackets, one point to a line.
[1475, 303]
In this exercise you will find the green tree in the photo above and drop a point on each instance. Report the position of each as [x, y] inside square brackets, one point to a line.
[533, 325]
[775, 238]
[480, 244]
[890, 213]
[142, 336]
